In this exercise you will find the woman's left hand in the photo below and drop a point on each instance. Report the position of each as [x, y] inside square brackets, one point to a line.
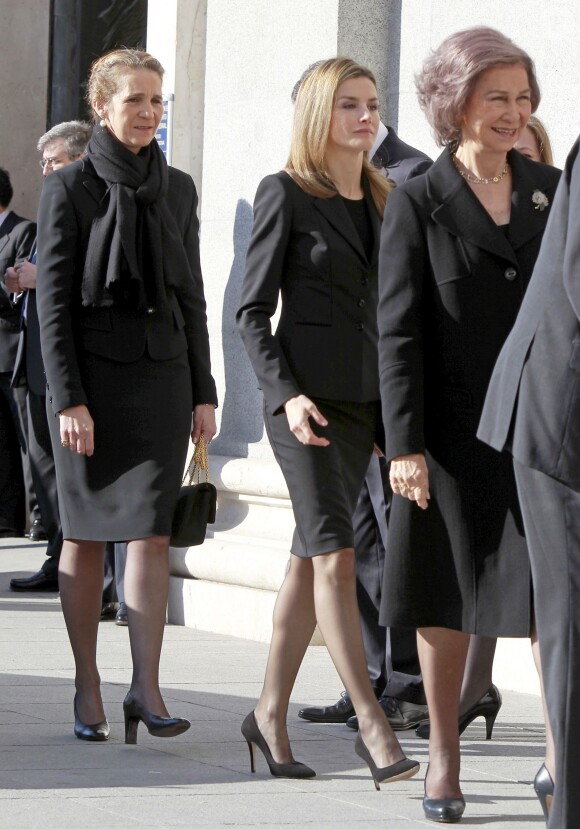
[77, 430]
[204, 422]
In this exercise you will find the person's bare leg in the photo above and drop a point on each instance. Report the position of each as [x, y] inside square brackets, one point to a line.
[293, 625]
[442, 655]
[338, 617]
[146, 590]
[550, 756]
[477, 678]
[80, 576]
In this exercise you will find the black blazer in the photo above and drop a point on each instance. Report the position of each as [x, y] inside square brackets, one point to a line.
[533, 404]
[450, 286]
[70, 200]
[16, 238]
[307, 250]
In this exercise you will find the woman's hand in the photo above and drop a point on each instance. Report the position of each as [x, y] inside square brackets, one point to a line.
[204, 422]
[409, 477]
[298, 410]
[77, 430]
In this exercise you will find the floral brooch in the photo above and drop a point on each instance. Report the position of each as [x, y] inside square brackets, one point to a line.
[540, 200]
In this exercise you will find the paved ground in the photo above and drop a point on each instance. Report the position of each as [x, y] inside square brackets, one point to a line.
[202, 779]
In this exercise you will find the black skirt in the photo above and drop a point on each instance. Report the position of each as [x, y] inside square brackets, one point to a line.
[143, 415]
[324, 482]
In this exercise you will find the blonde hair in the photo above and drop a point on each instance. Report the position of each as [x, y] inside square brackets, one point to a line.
[312, 116]
[542, 139]
[106, 72]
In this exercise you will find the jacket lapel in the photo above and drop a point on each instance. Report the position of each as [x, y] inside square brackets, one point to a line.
[337, 215]
[459, 211]
[525, 221]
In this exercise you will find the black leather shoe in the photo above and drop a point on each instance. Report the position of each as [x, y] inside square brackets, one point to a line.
[401, 714]
[544, 788]
[37, 532]
[39, 581]
[121, 618]
[157, 726]
[487, 706]
[108, 611]
[443, 810]
[98, 732]
[339, 712]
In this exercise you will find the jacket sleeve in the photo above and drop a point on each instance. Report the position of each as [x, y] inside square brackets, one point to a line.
[58, 238]
[193, 307]
[265, 261]
[402, 264]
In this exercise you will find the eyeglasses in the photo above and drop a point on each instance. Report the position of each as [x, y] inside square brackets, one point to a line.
[50, 162]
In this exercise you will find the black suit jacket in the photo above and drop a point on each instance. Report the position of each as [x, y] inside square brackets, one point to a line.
[450, 286]
[400, 160]
[71, 199]
[533, 403]
[16, 238]
[307, 250]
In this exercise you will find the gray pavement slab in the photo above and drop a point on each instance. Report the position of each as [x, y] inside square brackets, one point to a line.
[202, 779]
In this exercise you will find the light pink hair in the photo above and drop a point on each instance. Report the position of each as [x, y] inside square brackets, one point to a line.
[450, 73]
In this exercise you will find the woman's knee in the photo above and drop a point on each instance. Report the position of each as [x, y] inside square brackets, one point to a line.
[338, 567]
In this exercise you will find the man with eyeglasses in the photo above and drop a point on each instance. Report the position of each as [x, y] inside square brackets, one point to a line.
[60, 146]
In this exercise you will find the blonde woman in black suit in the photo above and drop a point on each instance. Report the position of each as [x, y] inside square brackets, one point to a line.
[126, 351]
[458, 246]
[315, 245]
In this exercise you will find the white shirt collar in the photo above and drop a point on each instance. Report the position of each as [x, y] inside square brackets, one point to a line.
[382, 133]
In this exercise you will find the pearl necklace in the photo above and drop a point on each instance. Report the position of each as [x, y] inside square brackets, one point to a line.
[474, 180]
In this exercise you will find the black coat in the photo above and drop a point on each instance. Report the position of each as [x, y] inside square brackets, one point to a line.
[450, 286]
[16, 238]
[70, 201]
[533, 403]
[307, 251]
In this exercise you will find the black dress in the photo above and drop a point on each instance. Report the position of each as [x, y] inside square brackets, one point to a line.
[450, 286]
[140, 373]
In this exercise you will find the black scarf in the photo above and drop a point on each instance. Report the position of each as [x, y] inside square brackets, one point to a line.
[132, 255]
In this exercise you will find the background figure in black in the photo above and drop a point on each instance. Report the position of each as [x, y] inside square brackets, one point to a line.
[16, 237]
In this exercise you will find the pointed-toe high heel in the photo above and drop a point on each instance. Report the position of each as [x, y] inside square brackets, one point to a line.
[254, 737]
[401, 770]
[487, 706]
[544, 788]
[157, 726]
[98, 732]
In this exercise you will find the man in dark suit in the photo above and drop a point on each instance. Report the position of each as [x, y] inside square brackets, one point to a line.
[391, 654]
[532, 410]
[16, 237]
[60, 146]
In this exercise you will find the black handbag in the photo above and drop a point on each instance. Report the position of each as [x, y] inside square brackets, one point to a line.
[196, 504]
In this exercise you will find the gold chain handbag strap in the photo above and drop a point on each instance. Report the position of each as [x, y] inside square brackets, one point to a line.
[199, 463]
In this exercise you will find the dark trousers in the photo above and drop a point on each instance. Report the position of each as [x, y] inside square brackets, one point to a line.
[392, 658]
[551, 513]
[20, 394]
[12, 498]
[44, 477]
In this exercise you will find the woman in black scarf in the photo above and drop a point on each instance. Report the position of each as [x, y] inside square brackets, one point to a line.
[126, 352]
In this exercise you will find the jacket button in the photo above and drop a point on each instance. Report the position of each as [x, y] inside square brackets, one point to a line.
[150, 310]
[360, 326]
[510, 274]
[361, 303]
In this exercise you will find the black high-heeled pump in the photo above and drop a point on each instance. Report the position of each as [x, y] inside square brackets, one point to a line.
[254, 737]
[98, 732]
[401, 770]
[487, 706]
[544, 788]
[157, 726]
[443, 809]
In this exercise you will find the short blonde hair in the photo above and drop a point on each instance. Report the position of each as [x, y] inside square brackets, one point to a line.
[106, 73]
[450, 73]
[312, 116]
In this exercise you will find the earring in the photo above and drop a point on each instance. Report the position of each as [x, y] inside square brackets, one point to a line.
[102, 123]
